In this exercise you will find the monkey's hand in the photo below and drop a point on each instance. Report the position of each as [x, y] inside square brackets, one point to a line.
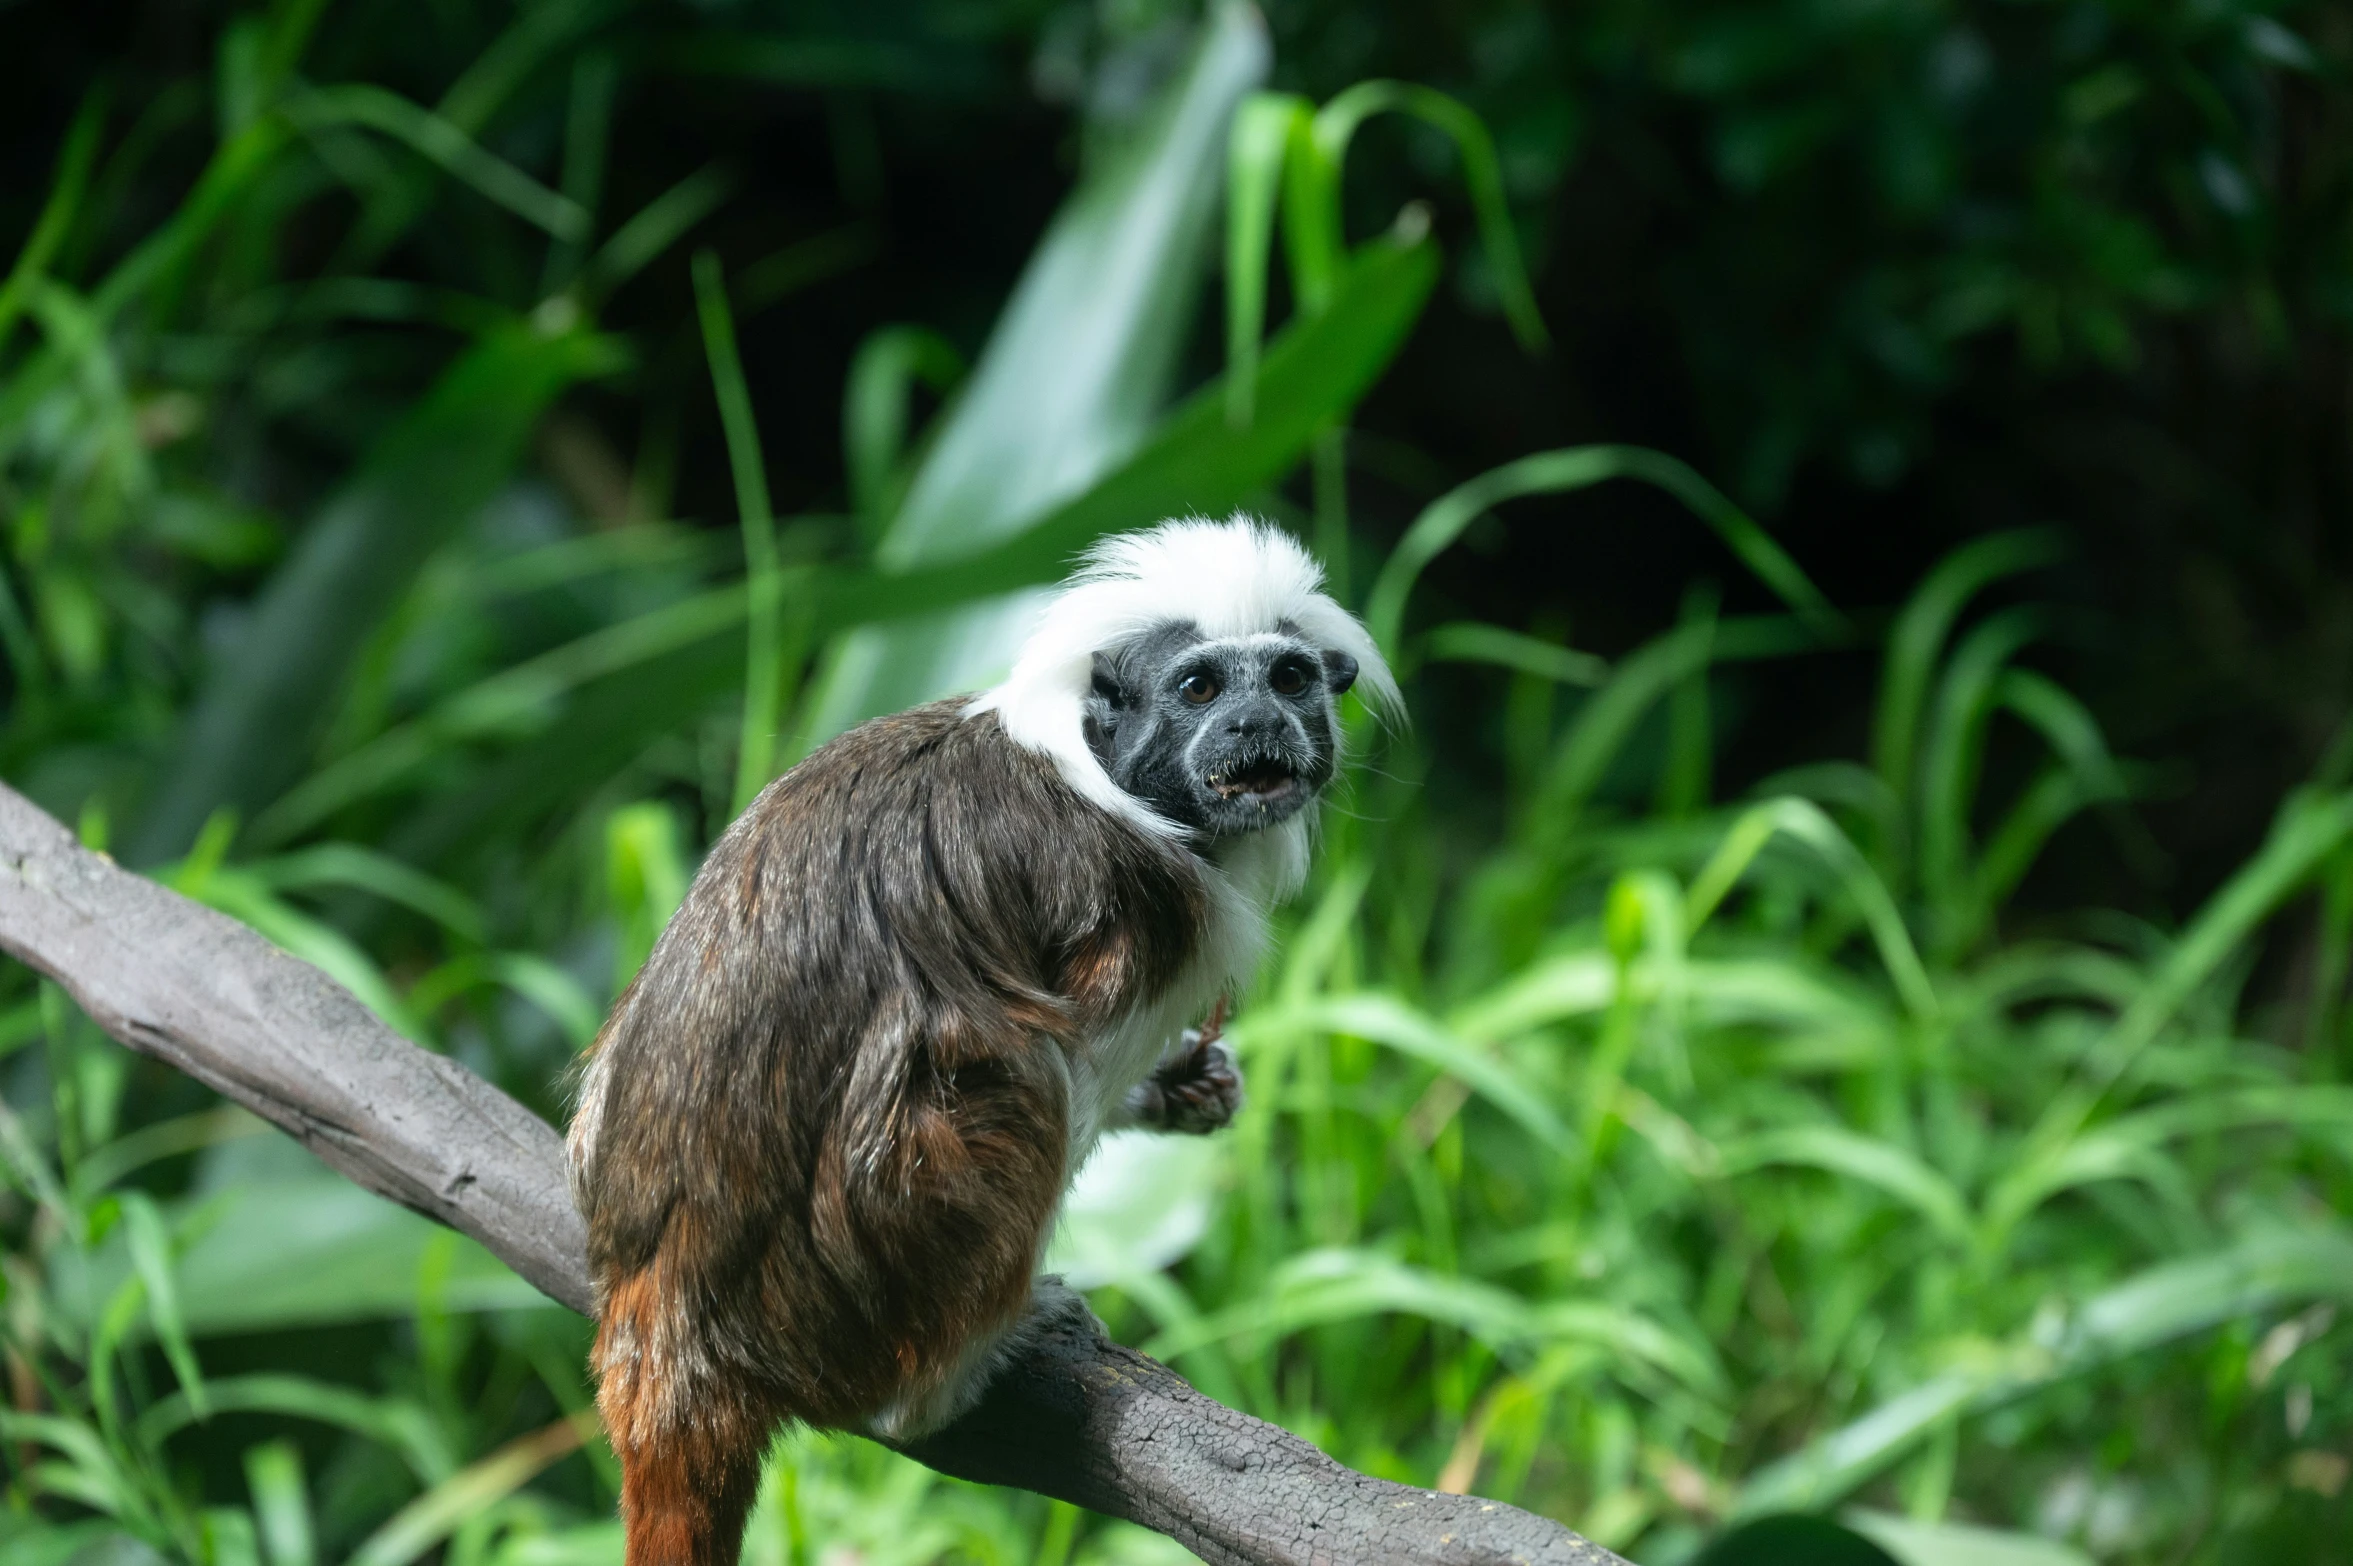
[1195, 1091]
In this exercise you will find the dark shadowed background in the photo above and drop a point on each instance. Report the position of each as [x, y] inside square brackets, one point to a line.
[376, 559]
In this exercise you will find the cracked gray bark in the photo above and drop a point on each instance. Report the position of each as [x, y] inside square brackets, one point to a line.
[1073, 1416]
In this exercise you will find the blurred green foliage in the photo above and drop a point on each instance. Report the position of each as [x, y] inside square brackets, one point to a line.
[416, 547]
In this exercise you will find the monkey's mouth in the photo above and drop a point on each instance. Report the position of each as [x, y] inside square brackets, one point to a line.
[1264, 781]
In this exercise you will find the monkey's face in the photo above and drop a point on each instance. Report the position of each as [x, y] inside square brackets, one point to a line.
[1224, 737]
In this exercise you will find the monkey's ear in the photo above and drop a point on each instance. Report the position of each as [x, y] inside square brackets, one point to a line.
[1104, 683]
[1339, 672]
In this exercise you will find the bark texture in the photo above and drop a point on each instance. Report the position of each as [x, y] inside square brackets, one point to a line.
[1075, 1416]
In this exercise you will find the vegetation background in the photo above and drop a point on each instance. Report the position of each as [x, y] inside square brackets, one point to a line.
[1836, 1005]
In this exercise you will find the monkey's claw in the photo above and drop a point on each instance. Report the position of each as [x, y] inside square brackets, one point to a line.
[1195, 1091]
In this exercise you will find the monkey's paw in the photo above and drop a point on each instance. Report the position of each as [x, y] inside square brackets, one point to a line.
[1195, 1091]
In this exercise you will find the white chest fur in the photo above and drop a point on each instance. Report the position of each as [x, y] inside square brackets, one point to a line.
[1244, 879]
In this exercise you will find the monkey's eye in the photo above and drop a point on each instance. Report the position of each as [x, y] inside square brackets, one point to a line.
[1288, 678]
[1198, 688]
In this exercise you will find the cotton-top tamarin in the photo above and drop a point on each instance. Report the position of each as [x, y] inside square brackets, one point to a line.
[821, 1141]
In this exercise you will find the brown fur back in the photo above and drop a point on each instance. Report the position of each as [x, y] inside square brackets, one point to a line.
[823, 1134]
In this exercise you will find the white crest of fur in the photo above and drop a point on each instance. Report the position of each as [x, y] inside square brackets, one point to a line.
[1239, 577]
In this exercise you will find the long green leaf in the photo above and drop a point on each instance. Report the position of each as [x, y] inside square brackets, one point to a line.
[399, 1426]
[1335, 126]
[1070, 385]
[151, 1258]
[1266, 128]
[435, 1515]
[1837, 1150]
[58, 212]
[1581, 467]
[251, 728]
[1919, 636]
[1386, 1020]
[1805, 822]
[2166, 1302]
[883, 375]
[521, 698]
[438, 139]
[763, 581]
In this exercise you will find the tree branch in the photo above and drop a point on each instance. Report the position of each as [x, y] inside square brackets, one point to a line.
[1074, 1416]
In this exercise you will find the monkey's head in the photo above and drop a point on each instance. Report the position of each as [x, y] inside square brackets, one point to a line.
[1219, 736]
[1188, 678]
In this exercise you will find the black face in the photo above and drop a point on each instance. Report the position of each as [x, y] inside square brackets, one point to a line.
[1224, 737]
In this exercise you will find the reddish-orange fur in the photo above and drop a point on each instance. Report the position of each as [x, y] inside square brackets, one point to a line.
[690, 1459]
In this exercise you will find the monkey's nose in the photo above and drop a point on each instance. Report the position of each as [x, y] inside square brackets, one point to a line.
[1253, 723]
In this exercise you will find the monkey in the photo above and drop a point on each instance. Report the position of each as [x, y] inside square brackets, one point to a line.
[821, 1141]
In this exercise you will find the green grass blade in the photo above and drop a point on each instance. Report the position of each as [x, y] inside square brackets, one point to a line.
[435, 1515]
[803, 263]
[1580, 467]
[1385, 1020]
[1884, 1166]
[281, 1503]
[444, 143]
[1470, 642]
[658, 225]
[646, 877]
[78, 336]
[397, 1425]
[1952, 759]
[2169, 1301]
[2049, 802]
[763, 645]
[2308, 831]
[1687, 778]
[588, 132]
[1803, 821]
[1266, 127]
[1912, 1542]
[521, 698]
[608, 723]
[251, 727]
[1336, 125]
[66, 189]
[467, 108]
[1323, 1288]
[2067, 725]
[1071, 383]
[291, 26]
[101, 1167]
[1917, 642]
[553, 991]
[156, 263]
[151, 1257]
[1314, 244]
[1592, 743]
[380, 875]
[2086, 774]
[888, 366]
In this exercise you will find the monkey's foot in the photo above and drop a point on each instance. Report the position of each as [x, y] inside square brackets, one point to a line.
[1195, 1091]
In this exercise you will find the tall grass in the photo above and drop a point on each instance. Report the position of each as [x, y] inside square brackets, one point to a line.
[1648, 1157]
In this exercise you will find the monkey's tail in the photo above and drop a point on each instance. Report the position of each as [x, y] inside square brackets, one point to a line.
[689, 1440]
[684, 1503]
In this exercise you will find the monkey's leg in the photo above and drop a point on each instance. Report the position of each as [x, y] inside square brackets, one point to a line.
[689, 1436]
[1196, 1090]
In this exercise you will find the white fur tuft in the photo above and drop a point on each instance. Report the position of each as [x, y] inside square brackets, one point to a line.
[1234, 578]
